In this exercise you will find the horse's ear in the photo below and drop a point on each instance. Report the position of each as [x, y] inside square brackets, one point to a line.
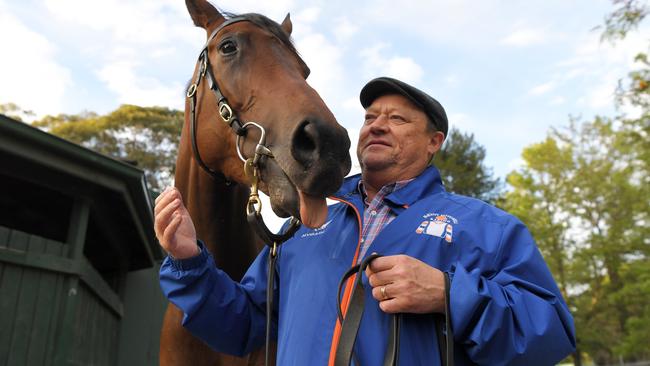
[204, 14]
[286, 24]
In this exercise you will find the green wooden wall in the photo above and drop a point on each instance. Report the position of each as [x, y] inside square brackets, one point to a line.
[30, 302]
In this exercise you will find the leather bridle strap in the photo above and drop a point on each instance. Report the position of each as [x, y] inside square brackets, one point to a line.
[352, 321]
[225, 111]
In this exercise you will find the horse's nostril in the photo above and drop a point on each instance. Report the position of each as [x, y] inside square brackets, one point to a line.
[303, 147]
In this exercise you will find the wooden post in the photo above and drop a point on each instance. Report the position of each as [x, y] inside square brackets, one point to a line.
[75, 239]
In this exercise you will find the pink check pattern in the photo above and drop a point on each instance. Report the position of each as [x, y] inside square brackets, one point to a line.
[377, 214]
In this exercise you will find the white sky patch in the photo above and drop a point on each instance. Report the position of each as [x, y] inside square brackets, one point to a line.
[378, 63]
[516, 164]
[525, 37]
[602, 96]
[303, 22]
[461, 121]
[452, 80]
[353, 134]
[353, 104]
[344, 29]
[131, 88]
[558, 100]
[324, 60]
[140, 21]
[542, 88]
[31, 76]
[464, 21]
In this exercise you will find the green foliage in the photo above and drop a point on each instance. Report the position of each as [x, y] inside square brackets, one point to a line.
[625, 18]
[145, 136]
[585, 194]
[461, 165]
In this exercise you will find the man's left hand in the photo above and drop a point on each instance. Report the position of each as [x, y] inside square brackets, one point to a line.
[403, 284]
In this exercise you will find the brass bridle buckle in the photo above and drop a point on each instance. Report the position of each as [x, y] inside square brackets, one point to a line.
[225, 112]
[191, 90]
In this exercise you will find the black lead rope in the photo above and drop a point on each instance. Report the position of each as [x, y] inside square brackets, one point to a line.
[267, 236]
[352, 321]
[273, 256]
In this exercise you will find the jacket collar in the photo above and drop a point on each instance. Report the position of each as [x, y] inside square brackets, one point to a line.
[425, 184]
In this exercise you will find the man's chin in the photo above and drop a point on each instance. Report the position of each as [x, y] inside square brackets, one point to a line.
[375, 162]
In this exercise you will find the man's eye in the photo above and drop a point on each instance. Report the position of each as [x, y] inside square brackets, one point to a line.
[369, 119]
[397, 118]
[227, 48]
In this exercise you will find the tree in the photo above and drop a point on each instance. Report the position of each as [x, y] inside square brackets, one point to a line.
[585, 194]
[145, 136]
[624, 19]
[14, 111]
[461, 165]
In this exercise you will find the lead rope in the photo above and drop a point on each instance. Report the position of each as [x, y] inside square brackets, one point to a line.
[254, 216]
[351, 322]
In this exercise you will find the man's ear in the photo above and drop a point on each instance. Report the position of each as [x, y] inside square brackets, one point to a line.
[435, 142]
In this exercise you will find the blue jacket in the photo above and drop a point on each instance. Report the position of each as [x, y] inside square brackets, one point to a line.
[505, 306]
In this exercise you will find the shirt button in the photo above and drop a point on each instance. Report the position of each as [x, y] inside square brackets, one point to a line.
[373, 212]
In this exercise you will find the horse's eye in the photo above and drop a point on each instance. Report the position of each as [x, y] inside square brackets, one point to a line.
[227, 47]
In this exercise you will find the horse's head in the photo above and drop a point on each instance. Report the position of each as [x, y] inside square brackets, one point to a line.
[259, 72]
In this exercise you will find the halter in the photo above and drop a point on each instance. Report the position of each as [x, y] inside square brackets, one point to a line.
[228, 116]
[251, 166]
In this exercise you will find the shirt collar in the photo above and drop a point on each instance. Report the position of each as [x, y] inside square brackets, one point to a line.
[384, 191]
[426, 184]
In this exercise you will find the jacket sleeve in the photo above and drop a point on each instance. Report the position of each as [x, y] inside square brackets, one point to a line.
[512, 313]
[228, 316]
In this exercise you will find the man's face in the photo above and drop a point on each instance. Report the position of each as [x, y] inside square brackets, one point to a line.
[395, 139]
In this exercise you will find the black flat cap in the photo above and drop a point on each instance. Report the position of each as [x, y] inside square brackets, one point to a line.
[385, 85]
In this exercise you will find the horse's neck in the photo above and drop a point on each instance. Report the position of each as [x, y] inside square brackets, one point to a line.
[219, 215]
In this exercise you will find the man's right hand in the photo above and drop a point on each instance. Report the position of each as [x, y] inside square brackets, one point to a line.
[173, 225]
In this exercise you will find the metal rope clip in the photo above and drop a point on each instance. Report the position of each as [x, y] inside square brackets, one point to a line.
[254, 202]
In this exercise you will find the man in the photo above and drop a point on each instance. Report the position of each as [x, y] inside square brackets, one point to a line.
[504, 306]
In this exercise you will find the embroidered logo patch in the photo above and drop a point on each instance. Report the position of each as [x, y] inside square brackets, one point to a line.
[317, 231]
[438, 225]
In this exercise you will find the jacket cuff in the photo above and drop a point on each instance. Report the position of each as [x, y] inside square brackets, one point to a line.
[192, 262]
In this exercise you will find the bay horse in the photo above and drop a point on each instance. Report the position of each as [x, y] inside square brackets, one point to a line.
[256, 68]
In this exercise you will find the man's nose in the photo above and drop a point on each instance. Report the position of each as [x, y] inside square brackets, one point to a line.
[380, 124]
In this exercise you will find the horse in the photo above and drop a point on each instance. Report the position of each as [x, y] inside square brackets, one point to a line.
[259, 78]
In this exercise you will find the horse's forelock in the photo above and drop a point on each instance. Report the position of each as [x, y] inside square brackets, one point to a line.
[269, 25]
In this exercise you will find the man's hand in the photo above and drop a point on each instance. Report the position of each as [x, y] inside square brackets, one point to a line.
[403, 284]
[173, 225]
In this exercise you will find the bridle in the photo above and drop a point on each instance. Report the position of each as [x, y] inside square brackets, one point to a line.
[251, 165]
[228, 116]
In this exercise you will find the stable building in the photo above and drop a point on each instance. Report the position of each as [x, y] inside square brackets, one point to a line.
[78, 255]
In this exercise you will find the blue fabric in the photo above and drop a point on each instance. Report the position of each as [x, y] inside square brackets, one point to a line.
[505, 306]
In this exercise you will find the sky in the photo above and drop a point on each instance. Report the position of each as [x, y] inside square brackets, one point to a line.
[506, 71]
